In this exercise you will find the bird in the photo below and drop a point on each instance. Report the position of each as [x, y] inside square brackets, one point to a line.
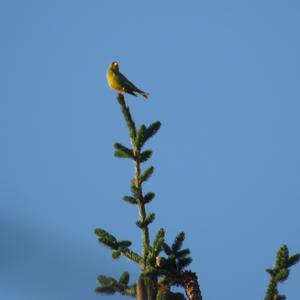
[117, 81]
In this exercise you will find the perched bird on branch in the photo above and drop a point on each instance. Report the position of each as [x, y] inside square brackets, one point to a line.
[119, 82]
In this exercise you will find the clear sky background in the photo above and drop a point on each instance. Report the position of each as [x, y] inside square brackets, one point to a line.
[224, 81]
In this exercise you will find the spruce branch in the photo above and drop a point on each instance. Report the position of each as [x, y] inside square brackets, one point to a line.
[124, 244]
[159, 273]
[109, 285]
[118, 247]
[148, 197]
[158, 241]
[293, 260]
[150, 131]
[137, 189]
[122, 151]
[172, 271]
[127, 116]
[124, 278]
[115, 254]
[106, 238]
[145, 133]
[178, 241]
[146, 221]
[184, 262]
[145, 155]
[146, 174]
[169, 270]
[280, 272]
[154, 250]
[138, 139]
[129, 199]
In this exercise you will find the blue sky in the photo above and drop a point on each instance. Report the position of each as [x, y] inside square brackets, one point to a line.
[223, 78]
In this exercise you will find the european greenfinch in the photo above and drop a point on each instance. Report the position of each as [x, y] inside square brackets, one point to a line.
[119, 82]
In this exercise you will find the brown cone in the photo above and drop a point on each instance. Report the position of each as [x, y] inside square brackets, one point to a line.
[191, 286]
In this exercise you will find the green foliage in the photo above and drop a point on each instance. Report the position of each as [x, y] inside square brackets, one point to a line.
[149, 219]
[280, 272]
[158, 241]
[146, 174]
[140, 224]
[151, 287]
[156, 247]
[148, 197]
[282, 275]
[153, 267]
[105, 290]
[140, 137]
[282, 257]
[178, 241]
[109, 285]
[105, 280]
[127, 116]
[122, 151]
[176, 296]
[118, 247]
[164, 293]
[151, 130]
[293, 260]
[136, 192]
[132, 256]
[183, 252]
[130, 199]
[177, 259]
[145, 133]
[145, 222]
[115, 254]
[183, 262]
[145, 155]
[167, 249]
[106, 238]
[124, 244]
[159, 273]
[124, 278]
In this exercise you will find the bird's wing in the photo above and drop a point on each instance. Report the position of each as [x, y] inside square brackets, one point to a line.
[124, 81]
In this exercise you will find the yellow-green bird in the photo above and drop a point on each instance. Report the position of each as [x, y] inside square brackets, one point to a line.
[119, 82]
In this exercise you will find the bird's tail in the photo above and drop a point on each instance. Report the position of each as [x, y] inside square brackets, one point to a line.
[144, 94]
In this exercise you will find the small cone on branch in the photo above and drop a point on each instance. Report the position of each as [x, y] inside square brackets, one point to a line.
[191, 286]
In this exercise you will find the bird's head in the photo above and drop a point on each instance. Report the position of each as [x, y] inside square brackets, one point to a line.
[114, 66]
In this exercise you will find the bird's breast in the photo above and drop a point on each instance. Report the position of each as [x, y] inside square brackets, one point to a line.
[113, 81]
